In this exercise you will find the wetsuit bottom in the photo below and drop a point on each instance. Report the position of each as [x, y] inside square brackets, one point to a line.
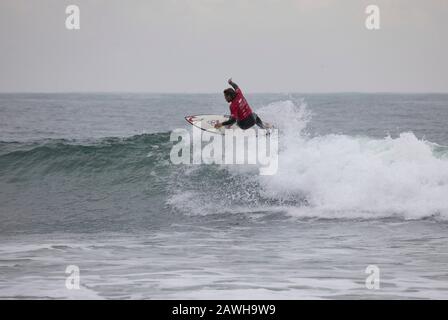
[250, 121]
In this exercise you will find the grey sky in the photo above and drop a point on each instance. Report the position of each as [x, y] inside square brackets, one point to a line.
[194, 45]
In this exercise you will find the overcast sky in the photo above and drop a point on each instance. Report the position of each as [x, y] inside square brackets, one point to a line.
[195, 45]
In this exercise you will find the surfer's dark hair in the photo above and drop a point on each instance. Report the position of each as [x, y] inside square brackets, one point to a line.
[230, 92]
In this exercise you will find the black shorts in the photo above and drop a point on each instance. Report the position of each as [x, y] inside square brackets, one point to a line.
[248, 122]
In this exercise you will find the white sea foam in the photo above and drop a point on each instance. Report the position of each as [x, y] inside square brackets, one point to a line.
[347, 176]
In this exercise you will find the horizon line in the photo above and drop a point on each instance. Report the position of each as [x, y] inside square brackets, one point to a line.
[218, 92]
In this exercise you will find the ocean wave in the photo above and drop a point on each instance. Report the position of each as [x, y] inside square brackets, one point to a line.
[70, 156]
[329, 176]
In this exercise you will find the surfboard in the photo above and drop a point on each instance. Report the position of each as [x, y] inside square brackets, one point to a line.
[207, 122]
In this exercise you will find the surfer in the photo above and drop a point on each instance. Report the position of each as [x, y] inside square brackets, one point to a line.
[240, 111]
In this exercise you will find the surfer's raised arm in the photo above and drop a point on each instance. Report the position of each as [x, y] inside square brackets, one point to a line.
[233, 84]
[240, 111]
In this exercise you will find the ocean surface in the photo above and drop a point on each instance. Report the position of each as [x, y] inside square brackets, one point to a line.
[86, 180]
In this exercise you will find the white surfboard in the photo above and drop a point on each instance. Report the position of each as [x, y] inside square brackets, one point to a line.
[207, 122]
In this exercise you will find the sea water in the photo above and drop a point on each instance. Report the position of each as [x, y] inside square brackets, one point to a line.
[86, 180]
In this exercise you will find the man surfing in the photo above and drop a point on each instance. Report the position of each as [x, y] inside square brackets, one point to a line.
[240, 111]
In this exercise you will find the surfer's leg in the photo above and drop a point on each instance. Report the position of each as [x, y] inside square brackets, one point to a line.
[247, 122]
[258, 121]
